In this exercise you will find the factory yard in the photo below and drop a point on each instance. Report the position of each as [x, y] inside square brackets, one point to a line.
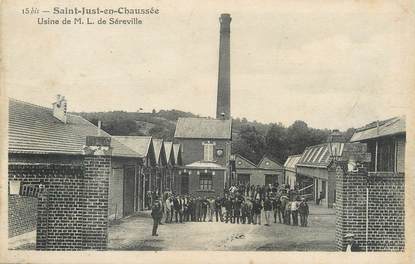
[134, 233]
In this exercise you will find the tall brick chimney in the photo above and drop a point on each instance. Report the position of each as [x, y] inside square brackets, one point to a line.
[223, 107]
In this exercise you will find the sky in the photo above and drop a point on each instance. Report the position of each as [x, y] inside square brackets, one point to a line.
[332, 64]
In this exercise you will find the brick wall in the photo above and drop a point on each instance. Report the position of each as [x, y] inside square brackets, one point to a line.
[386, 210]
[194, 183]
[60, 218]
[22, 213]
[73, 204]
[95, 207]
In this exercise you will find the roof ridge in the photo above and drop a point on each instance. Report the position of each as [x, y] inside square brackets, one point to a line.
[30, 104]
[295, 155]
[373, 124]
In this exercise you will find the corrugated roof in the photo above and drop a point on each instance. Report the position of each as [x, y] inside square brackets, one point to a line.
[176, 152]
[168, 148]
[140, 144]
[317, 156]
[203, 128]
[387, 127]
[34, 129]
[292, 161]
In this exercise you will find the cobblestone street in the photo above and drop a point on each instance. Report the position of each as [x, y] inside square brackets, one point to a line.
[134, 233]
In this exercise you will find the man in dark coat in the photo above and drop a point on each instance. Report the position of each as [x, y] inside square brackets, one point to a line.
[218, 209]
[256, 210]
[156, 213]
[276, 206]
[303, 210]
[236, 210]
[177, 209]
[228, 206]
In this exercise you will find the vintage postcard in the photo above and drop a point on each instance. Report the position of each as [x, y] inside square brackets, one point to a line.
[163, 131]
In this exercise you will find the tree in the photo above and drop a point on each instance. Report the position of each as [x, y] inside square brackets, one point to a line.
[276, 142]
[249, 144]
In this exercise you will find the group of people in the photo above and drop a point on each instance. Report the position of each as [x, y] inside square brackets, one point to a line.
[240, 205]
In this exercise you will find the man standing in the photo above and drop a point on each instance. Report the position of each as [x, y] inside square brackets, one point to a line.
[177, 209]
[256, 209]
[168, 210]
[190, 209]
[276, 206]
[212, 208]
[197, 209]
[228, 206]
[267, 210]
[243, 212]
[304, 211]
[284, 201]
[218, 209]
[205, 205]
[183, 208]
[294, 212]
[236, 210]
[249, 210]
[288, 213]
[156, 213]
[352, 245]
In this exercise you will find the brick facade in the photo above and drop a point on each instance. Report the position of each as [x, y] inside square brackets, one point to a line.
[218, 182]
[72, 206]
[192, 150]
[386, 210]
[22, 214]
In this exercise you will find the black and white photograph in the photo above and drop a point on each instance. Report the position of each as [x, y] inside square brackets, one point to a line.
[243, 129]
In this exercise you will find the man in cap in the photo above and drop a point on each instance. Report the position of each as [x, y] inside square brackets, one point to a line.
[156, 213]
[352, 245]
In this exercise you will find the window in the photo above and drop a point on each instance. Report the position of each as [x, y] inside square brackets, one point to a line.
[208, 151]
[386, 155]
[205, 181]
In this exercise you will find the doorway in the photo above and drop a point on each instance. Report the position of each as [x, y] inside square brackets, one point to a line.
[185, 184]
[129, 185]
[271, 179]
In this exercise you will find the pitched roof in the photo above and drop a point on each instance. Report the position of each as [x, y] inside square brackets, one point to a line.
[168, 149]
[244, 163]
[292, 161]
[317, 156]
[379, 129]
[203, 128]
[140, 144]
[267, 163]
[159, 150]
[34, 129]
[177, 154]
